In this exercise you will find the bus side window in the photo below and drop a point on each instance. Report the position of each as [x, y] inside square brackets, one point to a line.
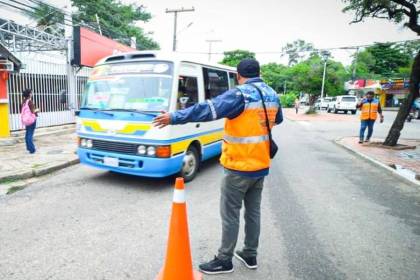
[187, 92]
[215, 82]
[233, 81]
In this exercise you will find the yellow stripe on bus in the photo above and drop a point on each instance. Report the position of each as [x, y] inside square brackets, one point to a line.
[182, 146]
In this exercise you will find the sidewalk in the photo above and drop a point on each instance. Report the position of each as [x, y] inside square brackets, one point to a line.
[53, 152]
[403, 162]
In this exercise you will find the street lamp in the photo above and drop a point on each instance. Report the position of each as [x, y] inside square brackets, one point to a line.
[325, 55]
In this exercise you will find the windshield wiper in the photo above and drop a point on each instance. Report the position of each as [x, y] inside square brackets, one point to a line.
[97, 110]
[151, 113]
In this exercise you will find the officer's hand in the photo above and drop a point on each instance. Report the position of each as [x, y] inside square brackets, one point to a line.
[162, 120]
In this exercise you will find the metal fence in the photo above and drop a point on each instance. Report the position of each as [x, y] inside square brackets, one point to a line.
[47, 79]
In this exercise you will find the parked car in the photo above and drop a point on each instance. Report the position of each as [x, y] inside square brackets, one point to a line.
[317, 104]
[324, 102]
[344, 103]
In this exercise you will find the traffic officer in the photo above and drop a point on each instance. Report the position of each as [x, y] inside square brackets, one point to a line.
[369, 110]
[245, 158]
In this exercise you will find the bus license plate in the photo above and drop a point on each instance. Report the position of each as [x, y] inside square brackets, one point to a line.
[110, 161]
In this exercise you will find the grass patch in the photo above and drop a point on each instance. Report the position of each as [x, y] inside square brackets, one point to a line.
[36, 165]
[14, 189]
[8, 180]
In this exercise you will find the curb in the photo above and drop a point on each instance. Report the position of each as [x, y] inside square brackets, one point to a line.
[378, 163]
[36, 172]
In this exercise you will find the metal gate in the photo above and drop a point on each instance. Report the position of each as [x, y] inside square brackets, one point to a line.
[46, 76]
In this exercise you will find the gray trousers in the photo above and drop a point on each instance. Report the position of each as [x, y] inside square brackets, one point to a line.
[235, 190]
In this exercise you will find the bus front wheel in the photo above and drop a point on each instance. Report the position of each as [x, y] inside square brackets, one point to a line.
[190, 164]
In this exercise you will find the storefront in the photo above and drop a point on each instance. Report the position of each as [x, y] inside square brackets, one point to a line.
[393, 92]
[8, 63]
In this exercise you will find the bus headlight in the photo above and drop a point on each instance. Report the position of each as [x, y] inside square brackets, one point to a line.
[89, 143]
[83, 143]
[141, 150]
[151, 151]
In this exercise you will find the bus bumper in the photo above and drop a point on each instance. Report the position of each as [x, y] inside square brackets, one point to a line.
[133, 165]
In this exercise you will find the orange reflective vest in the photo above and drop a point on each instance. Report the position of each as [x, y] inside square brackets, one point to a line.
[246, 142]
[369, 110]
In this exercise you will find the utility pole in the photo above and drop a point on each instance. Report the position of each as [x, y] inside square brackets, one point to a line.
[175, 12]
[284, 87]
[210, 43]
[325, 56]
[71, 76]
[353, 76]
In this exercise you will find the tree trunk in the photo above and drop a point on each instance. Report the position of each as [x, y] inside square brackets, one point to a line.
[312, 99]
[395, 131]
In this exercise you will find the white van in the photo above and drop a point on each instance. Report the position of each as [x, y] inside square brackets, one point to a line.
[125, 92]
[344, 103]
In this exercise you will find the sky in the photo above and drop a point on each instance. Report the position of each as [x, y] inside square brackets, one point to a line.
[262, 26]
[265, 26]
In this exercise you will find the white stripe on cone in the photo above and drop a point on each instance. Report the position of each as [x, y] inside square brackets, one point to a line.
[179, 196]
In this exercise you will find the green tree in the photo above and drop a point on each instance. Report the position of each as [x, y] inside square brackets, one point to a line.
[388, 58]
[117, 20]
[306, 77]
[297, 50]
[275, 75]
[397, 11]
[232, 58]
[47, 16]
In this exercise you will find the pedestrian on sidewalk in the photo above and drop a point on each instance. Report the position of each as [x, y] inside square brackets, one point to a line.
[297, 105]
[29, 115]
[245, 157]
[370, 108]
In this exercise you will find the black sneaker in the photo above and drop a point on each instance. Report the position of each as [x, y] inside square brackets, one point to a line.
[216, 266]
[250, 262]
[360, 141]
[367, 140]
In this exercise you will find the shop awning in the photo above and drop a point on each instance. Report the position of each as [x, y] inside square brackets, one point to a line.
[6, 55]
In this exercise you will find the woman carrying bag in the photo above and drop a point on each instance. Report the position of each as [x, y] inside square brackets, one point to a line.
[28, 116]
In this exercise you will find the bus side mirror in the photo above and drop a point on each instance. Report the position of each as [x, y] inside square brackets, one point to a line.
[77, 113]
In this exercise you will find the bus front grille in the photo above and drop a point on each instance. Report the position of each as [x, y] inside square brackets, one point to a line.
[116, 147]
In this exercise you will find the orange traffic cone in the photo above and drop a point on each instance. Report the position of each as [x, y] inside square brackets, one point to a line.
[178, 264]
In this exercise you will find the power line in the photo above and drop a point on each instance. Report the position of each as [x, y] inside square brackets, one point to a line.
[317, 49]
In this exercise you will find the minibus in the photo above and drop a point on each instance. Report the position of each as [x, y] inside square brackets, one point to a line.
[125, 92]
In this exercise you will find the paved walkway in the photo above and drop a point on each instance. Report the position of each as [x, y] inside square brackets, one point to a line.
[406, 162]
[53, 152]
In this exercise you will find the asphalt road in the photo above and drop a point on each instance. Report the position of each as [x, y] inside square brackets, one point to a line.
[326, 215]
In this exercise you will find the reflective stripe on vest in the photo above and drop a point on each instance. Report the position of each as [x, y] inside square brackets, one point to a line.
[246, 140]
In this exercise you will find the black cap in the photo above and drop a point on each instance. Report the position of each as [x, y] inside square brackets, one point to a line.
[249, 68]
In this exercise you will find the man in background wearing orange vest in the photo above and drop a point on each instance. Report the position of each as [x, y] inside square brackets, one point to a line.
[245, 157]
[369, 110]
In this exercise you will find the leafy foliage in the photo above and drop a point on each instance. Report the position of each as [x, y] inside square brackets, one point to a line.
[306, 76]
[46, 16]
[397, 11]
[297, 50]
[117, 20]
[232, 58]
[276, 75]
[288, 100]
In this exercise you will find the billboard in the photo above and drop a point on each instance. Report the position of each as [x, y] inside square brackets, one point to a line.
[89, 47]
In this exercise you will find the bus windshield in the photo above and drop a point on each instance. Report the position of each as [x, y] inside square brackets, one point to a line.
[143, 86]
